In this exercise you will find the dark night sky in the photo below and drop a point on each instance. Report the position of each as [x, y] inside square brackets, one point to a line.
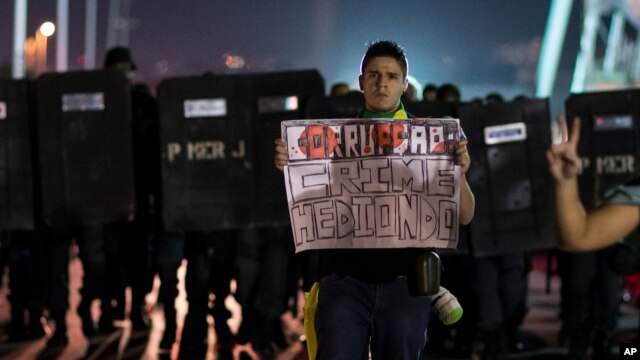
[480, 45]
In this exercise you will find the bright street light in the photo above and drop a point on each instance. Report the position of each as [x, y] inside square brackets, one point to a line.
[47, 28]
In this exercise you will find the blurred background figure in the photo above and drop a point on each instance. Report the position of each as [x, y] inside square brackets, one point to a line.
[125, 247]
[26, 260]
[590, 286]
[210, 268]
[429, 93]
[265, 271]
[589, 301]
[411, 94]
[448, 93]
[340, 88]
[500, 287]
[493, 98]
[168, 256]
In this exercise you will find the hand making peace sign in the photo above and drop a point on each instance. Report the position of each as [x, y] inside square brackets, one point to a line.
[564, 162]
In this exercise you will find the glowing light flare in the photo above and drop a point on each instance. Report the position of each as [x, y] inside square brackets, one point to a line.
[81, 60]
[291, 103]
[161, 67]
[30, 54]
[233, 61]
[47, 28]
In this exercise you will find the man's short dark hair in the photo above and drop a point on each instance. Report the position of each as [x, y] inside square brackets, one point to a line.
[389, 48]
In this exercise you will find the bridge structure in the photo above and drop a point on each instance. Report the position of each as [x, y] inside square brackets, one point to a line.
[609, 52]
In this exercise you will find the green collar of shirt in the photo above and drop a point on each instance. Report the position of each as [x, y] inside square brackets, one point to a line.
[401, 113]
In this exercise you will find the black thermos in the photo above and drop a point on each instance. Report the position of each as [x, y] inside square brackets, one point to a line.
[423, 278]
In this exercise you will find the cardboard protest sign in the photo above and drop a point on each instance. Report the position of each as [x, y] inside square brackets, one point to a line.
[372, 183]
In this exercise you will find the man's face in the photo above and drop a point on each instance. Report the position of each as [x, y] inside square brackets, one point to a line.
[382, 84]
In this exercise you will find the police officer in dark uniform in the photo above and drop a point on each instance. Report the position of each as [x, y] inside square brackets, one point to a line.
[118, 254]
[25, 257]
[264, 260]
[135, 239]
[147, 248]
[210, 268]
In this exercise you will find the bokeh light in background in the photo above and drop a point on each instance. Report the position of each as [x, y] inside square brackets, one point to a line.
[233, 61]
[47, 28]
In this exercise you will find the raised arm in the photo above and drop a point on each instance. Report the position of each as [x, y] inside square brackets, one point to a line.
[577, 229]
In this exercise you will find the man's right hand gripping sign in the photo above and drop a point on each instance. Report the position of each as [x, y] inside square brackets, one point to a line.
[281, 158]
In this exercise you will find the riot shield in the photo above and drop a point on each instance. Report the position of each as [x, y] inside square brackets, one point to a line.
[334, 107]
[437, 109]
[17, 139]
[276, 97]
[609, 140]
[509, 176]
[205, 138]
[85, 147]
